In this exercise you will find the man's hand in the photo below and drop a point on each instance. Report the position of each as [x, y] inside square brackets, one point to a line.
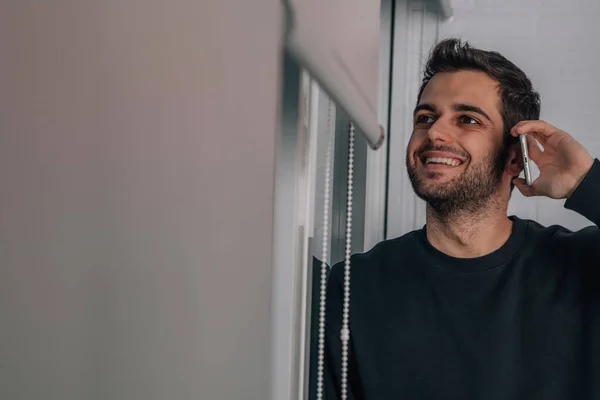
[563, 163]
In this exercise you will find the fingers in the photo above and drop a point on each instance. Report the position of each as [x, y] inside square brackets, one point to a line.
[540, 138]
[540, 129]
[534, 150]
[526, 190]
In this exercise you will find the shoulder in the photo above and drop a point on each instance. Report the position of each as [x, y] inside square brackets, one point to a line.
[560, 233]
[382, 255]
[564, 239]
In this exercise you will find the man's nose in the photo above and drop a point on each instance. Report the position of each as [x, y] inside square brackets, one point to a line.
[439, 131]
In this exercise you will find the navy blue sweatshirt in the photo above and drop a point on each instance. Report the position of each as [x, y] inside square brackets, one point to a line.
[520, 323]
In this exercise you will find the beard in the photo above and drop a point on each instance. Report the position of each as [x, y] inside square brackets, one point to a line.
[470, 192]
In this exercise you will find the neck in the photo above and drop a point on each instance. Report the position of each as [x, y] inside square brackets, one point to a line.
[468, 234]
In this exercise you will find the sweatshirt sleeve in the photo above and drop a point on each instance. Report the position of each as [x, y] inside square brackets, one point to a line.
[585, 200]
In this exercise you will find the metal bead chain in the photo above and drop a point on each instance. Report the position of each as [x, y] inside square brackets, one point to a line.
[324, 252]
[345, 333]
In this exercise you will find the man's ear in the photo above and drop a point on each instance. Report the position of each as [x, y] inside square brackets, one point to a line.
[514, 165]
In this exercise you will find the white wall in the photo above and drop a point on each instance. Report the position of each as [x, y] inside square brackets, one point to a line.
[137, 151]
[553, 41]
[415, 31]
[376, 185]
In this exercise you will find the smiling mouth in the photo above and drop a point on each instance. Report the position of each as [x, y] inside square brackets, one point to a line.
[441, 161]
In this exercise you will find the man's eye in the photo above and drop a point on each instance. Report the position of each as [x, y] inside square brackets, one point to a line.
[465, 119]
[424, 119]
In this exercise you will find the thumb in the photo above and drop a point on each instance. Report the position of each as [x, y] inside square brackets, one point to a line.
[524, 188]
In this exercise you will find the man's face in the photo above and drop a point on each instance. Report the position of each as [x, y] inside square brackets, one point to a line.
[455, 157]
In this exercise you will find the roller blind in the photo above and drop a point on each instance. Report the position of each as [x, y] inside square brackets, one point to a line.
[337, 41]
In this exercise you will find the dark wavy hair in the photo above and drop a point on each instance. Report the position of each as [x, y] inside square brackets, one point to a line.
[519, 100]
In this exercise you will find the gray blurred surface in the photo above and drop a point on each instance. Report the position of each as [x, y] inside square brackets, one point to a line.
[137, 150]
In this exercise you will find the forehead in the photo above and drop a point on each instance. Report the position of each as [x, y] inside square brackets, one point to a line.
[467, 87]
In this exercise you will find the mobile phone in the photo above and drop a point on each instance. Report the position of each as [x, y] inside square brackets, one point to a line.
[526, 163]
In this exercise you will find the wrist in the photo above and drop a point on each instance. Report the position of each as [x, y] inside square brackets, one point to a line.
[580, 173]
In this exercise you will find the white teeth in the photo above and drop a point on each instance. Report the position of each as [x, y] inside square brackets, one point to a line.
[439, 160]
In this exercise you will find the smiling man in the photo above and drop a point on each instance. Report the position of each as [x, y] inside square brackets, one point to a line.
[477, 304]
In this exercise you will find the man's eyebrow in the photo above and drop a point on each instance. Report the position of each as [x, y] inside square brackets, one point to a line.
[457, 107]
[471, 108]
[424, 106]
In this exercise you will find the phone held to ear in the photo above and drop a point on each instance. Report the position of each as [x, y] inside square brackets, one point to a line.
[526, 163]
